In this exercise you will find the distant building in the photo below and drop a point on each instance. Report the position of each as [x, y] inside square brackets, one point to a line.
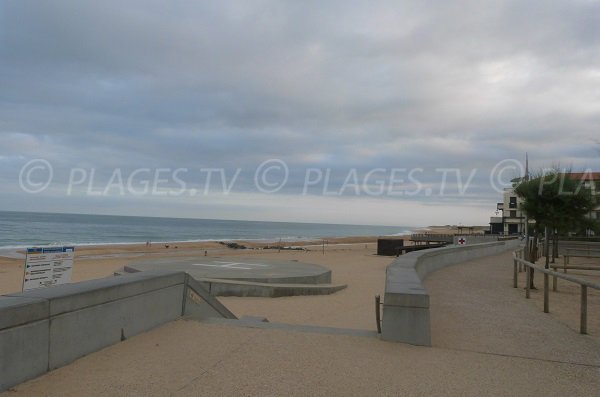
[512, 220]
[496, 225]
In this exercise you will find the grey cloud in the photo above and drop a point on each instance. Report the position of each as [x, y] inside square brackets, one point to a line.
[338, 84]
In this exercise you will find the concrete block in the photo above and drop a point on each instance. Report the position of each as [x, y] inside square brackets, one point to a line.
[23, 353]
[221, 287]
[409, 298]
[407, 325]
[70, 297]
[16, 311]
[80, 332]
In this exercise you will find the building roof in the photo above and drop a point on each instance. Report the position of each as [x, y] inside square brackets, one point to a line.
[588, 176]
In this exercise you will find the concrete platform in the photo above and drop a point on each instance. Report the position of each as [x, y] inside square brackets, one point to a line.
[247, 276]
[222, 287]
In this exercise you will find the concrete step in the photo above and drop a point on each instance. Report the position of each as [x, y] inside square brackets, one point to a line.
[228, 287]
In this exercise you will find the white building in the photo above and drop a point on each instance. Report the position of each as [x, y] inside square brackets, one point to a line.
[512, 220]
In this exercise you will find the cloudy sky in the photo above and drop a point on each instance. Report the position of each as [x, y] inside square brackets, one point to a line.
[387, 112]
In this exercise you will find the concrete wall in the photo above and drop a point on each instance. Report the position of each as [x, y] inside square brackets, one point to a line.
[44, 329]
[230, 287]
[406, 301]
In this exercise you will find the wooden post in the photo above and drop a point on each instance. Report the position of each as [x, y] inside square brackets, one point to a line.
[553, 244]
[378, 313]
[515, 284]
[583, 317]
[554, 282]
[546, 293]
[528, 280]
[521, 256]
[547, 247]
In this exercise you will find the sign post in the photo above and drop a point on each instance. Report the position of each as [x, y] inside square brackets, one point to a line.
[45, 267]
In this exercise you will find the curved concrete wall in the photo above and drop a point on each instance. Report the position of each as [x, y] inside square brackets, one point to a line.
[406, 301]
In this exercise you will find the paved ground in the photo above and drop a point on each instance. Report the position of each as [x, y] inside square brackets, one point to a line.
[488, 340]
[475, 308]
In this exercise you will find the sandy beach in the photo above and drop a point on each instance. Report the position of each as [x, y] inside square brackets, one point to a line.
[93, 262]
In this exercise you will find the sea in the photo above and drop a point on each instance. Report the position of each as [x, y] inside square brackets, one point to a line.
[34, 229]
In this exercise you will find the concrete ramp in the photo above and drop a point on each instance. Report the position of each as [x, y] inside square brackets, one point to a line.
[199, 304]
[47, 328]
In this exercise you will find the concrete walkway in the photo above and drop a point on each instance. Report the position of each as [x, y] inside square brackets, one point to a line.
[488, 340]
[475, 308]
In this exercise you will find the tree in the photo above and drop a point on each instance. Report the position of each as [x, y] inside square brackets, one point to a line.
[554, 201]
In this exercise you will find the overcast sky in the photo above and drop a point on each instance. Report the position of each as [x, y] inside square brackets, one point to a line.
[325, 91]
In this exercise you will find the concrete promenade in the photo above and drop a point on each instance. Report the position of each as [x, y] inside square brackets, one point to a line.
[487, 340]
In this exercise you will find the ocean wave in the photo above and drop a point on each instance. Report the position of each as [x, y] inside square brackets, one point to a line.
[126, 243]
[19, 231]
[402, 233]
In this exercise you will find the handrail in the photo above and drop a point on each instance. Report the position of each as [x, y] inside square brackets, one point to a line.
[585, 250]
[569, 254]
[592, 244]
[585, 284]
[432, 235]
[559, 275]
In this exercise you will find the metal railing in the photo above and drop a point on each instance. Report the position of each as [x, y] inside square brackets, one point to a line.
[427, 237]
[520, 253]
[520, 263]
[588, 252]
